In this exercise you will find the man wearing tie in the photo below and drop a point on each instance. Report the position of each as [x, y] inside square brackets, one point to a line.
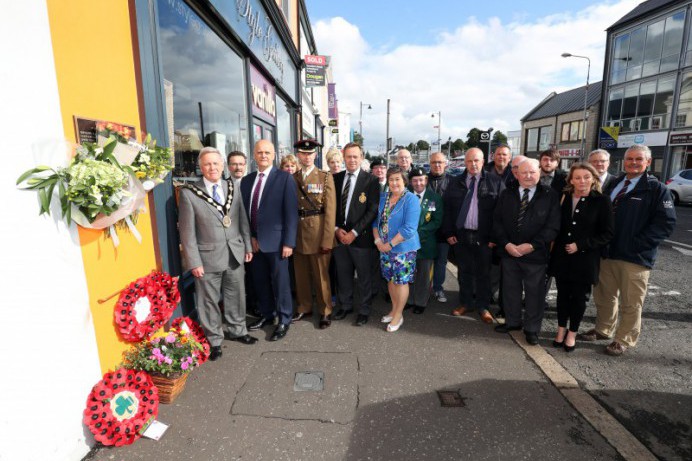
[215, 237]
[271, 202]
[526, 220]
[357, 200]
[600, 160]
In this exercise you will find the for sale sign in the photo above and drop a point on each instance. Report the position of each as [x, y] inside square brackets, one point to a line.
[315, 70]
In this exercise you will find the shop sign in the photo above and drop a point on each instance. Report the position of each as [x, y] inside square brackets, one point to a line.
[315, 70]
[251, 22]
[608, 137]
[679, 138]
[335, 131]
[331, 101]
[333, 123]
[263, 95]
[569, 153]
[659, 138]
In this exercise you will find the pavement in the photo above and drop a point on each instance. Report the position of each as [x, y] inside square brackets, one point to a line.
[380, 399]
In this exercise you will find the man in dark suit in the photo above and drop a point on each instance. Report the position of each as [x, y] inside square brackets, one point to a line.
[468, 221]
[550, 174]
[431, 210]
[271, 203]
[600, 160]
[215, 237]
[525, 221]
[357, 200]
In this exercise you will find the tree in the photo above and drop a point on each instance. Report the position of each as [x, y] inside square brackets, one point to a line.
[499, 138]
[423, 145]
[473, 138]
[457, 146]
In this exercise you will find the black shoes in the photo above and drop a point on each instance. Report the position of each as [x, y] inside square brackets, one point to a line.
[506, 328]
[215, 353]
[247, 339]
[531, 338]
[262, 322]
[279, 332]
[341, 314]
[558, 344]
[297, 317]
[418, 309]
[361, 320]
[325, 321]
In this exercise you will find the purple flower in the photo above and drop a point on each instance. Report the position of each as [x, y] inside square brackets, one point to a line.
[170, 338]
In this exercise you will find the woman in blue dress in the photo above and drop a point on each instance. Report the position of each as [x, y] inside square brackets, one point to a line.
[396, 238]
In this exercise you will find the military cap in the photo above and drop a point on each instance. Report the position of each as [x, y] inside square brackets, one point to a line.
[416, 172]
[307, 145]
[377, 161]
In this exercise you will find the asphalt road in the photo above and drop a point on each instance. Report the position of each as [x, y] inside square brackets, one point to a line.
[683, 229]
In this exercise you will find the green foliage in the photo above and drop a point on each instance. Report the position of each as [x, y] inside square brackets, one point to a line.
[174, 354]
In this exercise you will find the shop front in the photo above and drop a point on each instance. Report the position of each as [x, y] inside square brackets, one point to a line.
[681, 151]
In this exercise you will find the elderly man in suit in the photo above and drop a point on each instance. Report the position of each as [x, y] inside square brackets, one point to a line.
[317, 212]
[271, 203]
[215, 237]
[357, 200]
[600, 160]
[468, 222]
[429, 222]
[526, 220]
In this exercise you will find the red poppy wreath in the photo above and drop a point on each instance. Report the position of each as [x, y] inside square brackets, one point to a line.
[181, 322]
[121, 406]
[142, 308]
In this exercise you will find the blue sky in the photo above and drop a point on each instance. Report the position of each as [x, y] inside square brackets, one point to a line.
[481, 64]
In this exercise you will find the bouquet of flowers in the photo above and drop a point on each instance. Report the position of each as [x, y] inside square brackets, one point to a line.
[174, 354]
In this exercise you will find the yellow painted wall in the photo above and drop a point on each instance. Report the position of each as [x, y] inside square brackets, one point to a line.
[94, 61]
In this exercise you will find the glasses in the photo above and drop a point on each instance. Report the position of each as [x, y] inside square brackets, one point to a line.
[599, 161]
[236, 165]
[437, 163]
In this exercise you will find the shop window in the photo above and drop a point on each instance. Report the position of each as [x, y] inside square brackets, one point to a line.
[684, 101]
[539, 139]
[205, 88]
[283, 128]
[572, 131]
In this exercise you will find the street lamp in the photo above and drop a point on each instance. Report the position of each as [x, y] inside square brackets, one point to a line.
[360, 120]
[586, 95]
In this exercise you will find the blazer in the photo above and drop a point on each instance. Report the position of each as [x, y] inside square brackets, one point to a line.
[315, 193]
[403, 219]
[559, 182]
[590, 226]
[430, 220]
[277, 212]
[489, 188]
[363, 207]
[609, 182]
[204, 239]
[540, 225]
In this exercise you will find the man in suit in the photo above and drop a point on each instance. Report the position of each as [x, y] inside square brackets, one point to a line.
[600, 160]
[215, 236]
[438, 180]
[468, 221]
[500, 165]
[431, 211]
[271, 203]
[525, 221]
[644, 216]
[317, 212]
[237, 164]
[357, 200]
[550, 174]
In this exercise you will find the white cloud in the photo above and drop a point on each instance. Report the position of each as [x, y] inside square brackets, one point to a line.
[481, 74]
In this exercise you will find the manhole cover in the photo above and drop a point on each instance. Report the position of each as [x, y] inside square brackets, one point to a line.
[450, 399]
[309, 381]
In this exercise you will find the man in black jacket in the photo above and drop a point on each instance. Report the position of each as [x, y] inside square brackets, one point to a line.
[438, 180]
[644, 217]
[600, 160]
[526, 220]
[550, 174]
[500, 167]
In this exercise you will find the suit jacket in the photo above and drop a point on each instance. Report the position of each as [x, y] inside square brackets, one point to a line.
[540, 225]
[363, 207]
[277, 212]
[609, 182]
[318, 230]
[559, 182]
[206, 242]
[431, 212]
[590, 226]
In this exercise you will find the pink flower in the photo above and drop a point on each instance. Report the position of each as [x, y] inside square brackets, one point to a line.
[170, 338]
[184, 366]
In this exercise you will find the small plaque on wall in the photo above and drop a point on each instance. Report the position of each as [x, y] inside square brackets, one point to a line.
[87, 129]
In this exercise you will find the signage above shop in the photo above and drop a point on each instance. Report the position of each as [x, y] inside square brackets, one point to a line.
[659, 138]
[263, 96]
[315, 70]
[333, 123]
[680, 138]
[569, 153]
[608, 137]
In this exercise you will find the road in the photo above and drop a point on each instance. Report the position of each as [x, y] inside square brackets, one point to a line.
[683, 229]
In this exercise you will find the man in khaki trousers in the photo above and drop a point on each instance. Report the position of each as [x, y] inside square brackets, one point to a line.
[315, 238]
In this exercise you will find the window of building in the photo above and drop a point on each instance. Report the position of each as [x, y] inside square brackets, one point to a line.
[539, 139]
[283, 128]
[685, 101]
[641, 106]
[572, 131]
[204, 88]
[286, 8]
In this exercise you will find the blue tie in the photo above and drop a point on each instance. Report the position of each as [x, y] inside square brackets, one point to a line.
[215, 194]
[466, 204]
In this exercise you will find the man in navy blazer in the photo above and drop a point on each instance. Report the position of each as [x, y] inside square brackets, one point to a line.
[271, 202]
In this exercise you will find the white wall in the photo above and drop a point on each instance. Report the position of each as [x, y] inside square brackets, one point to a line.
[49, 357]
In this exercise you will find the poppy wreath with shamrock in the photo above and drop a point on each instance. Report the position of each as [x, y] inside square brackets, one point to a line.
[121, 406]
[143, 296]
[197, 333]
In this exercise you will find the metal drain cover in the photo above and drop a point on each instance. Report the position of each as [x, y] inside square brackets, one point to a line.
[309, 381]
[450, 399]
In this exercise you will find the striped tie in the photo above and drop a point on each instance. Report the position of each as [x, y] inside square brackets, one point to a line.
[255, 203]
[522, 207]
[621, 193]
[344, 194]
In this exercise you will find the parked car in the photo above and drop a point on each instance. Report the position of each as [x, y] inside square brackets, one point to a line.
[680, 186]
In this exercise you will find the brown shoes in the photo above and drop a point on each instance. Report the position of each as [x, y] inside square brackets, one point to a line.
[486, 317]
[591, 335]
[459, 311]
[615, 349]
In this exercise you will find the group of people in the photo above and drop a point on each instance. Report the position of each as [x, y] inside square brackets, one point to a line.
[511, 226]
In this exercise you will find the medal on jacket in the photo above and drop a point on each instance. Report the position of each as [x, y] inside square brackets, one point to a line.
[362, 198]
[427, 217]
[226, 221]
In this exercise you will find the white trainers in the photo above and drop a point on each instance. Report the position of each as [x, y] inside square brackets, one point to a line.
[440, 295]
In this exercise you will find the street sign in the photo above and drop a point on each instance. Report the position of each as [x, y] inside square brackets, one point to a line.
[335, 131]
[485, 136]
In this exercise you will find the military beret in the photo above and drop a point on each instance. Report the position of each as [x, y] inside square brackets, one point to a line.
[416, 172]
[377, 161]
[307, 145]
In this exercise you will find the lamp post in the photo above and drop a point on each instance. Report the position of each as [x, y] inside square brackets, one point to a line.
[586, 95]
[360, 121]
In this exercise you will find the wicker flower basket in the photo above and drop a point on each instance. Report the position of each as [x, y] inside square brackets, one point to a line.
[169, 386]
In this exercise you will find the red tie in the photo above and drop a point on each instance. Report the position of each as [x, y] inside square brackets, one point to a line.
[621, 193]
[255, 202]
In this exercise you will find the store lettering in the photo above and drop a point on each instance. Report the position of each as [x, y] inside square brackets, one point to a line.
[264, 100]
[183, 11]
[270, 46]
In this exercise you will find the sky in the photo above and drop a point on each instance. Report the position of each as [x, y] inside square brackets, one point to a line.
[481, 64]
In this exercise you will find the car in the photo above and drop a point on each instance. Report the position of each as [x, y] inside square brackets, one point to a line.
[680, 186]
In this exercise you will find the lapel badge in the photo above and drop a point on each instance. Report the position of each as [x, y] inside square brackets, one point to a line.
[362, 198]
[427, 217]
